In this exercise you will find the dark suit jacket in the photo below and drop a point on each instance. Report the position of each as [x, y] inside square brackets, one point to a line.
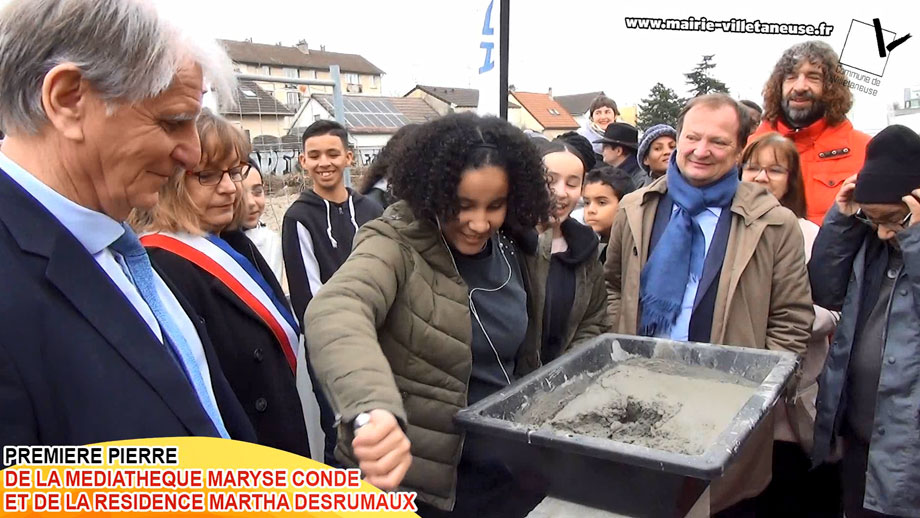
[249, 354]
[78, 365]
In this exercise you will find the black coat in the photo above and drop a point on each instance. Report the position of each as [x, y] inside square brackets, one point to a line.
[249, 354]
[78, 365]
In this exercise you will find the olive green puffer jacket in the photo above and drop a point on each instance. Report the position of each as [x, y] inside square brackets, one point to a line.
[391, 330]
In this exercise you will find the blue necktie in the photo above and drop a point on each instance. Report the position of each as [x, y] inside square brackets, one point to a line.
[135, 256]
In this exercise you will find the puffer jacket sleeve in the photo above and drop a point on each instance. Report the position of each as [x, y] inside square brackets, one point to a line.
[613, 275]
[791, 312]
[341, 329]
[596, 321]
[832, 257]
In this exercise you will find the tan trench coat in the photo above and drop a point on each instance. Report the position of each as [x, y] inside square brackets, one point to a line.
[763, 300]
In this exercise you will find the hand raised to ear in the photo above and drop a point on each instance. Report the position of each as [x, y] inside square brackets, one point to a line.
[912, 201]
[845, 203]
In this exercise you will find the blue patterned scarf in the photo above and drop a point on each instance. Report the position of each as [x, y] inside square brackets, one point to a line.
[664, 278]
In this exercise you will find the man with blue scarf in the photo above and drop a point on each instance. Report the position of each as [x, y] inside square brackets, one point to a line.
[699, 256]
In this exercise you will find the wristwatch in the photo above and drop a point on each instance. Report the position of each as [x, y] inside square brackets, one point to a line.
[362, 419]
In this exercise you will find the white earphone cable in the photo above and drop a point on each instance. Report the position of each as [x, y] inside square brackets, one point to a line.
[473, 310]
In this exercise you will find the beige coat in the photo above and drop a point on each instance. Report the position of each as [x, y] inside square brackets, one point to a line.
[763, 300]
[795, 422]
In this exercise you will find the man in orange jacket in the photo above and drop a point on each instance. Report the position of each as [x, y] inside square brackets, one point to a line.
[806, 100]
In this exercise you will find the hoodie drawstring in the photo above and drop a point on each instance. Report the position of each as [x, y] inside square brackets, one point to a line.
[351, 210]
[335, 244]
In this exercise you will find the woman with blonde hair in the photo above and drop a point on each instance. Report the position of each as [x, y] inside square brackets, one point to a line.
[194, 236]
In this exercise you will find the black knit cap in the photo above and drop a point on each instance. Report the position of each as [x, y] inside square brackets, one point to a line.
[892, 168]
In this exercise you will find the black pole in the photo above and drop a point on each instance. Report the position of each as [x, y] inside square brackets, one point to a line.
[503, 59]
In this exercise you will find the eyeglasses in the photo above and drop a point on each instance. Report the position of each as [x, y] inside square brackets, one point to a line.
[774, 171]
[861, 216]
[209, 178]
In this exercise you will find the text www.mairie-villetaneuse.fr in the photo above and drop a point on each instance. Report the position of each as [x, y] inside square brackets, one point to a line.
[735, 25]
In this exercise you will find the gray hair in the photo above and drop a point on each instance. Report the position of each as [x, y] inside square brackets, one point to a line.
[125, 49]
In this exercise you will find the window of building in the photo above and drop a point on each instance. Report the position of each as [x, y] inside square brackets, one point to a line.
[293, 99]
[266, 70]
[374, 81]
[247, 92]
[351, 78]
[553, 111]
[308, 74]
[290, 72]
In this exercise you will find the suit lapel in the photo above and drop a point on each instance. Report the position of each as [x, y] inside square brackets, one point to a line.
[74, 272]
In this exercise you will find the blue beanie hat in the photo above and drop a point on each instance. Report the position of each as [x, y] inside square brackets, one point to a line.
[650, 135]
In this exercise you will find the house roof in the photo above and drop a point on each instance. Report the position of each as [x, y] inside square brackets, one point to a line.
[549, 113]
[577, 104]
[460, 97]
[253, 100]
[281, 55]
[375, 114]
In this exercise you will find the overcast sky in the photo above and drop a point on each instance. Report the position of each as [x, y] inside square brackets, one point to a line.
[572, 46]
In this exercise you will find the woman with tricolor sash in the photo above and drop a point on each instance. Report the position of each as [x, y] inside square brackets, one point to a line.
[193, 236]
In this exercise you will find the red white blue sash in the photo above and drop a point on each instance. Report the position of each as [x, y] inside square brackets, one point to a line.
[212, 259]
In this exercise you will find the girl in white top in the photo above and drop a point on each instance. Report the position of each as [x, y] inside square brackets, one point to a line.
[266, 240]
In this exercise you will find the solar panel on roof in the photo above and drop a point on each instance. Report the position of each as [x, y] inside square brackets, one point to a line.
[365, 122]
[372, 113]
[389, 107]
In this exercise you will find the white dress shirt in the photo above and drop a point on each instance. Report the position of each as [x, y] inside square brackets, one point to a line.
[707, 220]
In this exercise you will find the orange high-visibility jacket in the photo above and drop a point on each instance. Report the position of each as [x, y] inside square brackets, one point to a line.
[829, 154]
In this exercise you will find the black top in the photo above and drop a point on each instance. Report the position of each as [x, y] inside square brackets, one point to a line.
[249, 353]
[502, 314]
[561, 285]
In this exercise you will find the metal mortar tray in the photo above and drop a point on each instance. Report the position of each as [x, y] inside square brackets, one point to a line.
[629, 479]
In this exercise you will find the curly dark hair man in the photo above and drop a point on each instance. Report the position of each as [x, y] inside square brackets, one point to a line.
[806, 100]
[430, 167]
[834, 101]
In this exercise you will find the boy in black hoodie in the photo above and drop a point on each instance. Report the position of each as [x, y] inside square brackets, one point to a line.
[318, 230]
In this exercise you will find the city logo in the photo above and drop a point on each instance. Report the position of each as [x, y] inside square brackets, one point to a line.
[868, 46]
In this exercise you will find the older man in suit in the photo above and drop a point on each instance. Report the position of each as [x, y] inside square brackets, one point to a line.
[98, 102]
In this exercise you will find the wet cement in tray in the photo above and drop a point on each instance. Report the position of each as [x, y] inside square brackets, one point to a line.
[655, 403]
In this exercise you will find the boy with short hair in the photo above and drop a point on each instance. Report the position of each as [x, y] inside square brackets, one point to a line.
[319, 227]
[605, 186]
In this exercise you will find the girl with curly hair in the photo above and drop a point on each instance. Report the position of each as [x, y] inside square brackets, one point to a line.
[576, 307]
[439, 305]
